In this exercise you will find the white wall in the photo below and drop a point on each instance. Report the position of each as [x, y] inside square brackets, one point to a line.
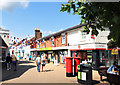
[102, 37]
[74, 37]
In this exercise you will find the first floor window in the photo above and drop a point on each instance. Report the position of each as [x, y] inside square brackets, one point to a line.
[63, 39]
[83, 35]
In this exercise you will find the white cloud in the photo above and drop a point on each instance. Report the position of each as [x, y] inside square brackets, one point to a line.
[60, 29]
[47, 32]
[10, 5]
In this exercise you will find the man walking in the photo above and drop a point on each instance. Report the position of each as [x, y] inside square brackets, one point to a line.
[14, 61]
[38, 62]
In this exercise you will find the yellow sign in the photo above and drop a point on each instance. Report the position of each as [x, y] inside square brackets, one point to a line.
[50, 48]
[115, 51]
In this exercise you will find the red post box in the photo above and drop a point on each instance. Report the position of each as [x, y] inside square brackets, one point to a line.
[69, 70]
[76, 62]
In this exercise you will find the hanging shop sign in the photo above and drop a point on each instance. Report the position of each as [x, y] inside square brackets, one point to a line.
[114, 51]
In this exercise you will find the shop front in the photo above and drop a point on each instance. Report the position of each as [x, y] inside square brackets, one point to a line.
[60, 53]
[96, 55]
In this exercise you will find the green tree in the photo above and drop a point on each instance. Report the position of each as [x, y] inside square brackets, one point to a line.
[97, 15]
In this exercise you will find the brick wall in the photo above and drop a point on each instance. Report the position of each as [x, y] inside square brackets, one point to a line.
[57, 42]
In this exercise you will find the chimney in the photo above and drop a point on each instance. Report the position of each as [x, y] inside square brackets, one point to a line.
[38, 34]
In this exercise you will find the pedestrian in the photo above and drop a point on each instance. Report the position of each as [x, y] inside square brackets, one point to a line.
[111, 68]
[29, 57]
[8, 61]
[38, 62]
[34, 56]
[18, 56]
[14, 62]
[43, 61]
[116, 70]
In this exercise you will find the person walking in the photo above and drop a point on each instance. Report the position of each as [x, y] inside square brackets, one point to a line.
[8, 61]
[18, 56]
[43, 61]
[34, 57]
[14, 61]
[29, 57]
[38, 62]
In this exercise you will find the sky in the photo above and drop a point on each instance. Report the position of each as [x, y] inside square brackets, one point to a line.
[22, 18]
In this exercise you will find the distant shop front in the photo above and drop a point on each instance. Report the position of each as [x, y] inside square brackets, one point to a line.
[52, 53]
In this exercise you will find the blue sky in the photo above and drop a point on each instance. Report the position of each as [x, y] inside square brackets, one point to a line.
[22, 21]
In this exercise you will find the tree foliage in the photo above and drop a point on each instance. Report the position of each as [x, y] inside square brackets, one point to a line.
[97, 15]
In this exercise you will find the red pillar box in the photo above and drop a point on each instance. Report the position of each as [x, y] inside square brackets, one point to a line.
[76, 63]
[69, 70]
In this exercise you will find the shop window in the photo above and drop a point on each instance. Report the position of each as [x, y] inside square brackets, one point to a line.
[83, 35]
[104, 58]
[63, 39]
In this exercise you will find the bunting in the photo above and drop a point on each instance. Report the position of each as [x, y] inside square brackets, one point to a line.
[8, 36]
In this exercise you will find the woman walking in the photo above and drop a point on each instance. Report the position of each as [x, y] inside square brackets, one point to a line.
[43, 61]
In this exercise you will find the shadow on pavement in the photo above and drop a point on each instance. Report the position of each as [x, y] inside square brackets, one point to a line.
[24, 62]
[95, 82]
[48, 70]
[7, 75]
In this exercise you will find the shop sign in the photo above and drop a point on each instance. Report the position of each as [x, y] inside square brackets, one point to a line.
[89, 56]
[50, 51]
[100, 46]
[50, 48]
[114, 51]
[89, 50]
[89, 53]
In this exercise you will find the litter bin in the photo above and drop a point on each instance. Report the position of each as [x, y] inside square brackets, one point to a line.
[84, 74]
[69, 70]
[76, 62]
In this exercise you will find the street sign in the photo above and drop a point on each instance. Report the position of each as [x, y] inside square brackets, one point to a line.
[114, 51]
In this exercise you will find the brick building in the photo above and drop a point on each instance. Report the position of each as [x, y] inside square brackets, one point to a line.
[73, 42]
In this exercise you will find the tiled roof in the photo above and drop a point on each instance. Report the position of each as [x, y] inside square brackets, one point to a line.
[57, 33]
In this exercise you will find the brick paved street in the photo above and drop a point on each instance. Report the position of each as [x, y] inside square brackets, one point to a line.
[27, 73]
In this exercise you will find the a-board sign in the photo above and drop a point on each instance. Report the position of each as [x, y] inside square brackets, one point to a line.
[114, 51]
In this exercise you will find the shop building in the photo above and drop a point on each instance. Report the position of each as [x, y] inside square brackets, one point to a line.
[4, 43]
[73, 42]
[91, 48]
